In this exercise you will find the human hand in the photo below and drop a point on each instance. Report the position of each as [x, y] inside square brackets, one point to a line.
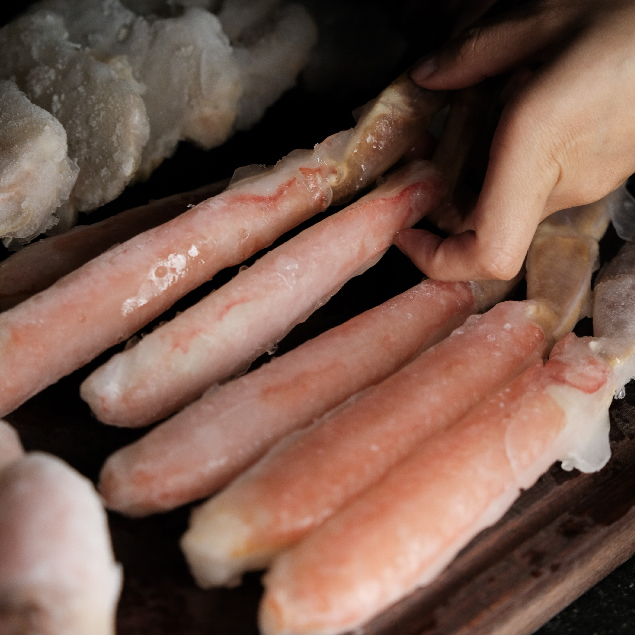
[565, 138]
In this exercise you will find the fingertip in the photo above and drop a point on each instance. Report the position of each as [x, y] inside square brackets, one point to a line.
[424, 69]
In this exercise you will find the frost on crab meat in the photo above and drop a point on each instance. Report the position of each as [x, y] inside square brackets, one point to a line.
[128, 82]
[231, 426]
[97, 103]
[36, 174]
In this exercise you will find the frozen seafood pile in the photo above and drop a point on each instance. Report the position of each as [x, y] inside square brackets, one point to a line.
[95, 95]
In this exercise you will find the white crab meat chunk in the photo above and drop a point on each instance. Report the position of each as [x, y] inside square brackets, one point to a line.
[59, 576]
[184, 63]
[98, 103]
[36, 174]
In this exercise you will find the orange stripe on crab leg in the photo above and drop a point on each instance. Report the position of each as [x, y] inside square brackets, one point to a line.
[226, 331]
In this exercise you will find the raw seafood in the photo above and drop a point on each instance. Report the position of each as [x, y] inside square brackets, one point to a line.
[404, 531]
[401, 533]
[214, 87]
[40, 339]
[225, 332]
[58, 572]
[86, 95]
[38, 265]
[229, 427]
[36, 175]
[304, 480]
[294, 488]
[128, 87]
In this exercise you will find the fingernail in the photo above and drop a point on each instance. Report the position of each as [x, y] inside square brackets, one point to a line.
[425, 68]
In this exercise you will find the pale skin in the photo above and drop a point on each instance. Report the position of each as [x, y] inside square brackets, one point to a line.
[566, 137]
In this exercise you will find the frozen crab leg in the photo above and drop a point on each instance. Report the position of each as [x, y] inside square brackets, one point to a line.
[401, 533]
[38, 265]
[59, 576]
[223, 333]
[204, 446]
[407, 528]
[303, 481]
[307, 477]
[71, 322]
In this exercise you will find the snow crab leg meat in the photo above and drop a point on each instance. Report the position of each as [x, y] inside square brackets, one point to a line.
[301, 483]
[218, 436]
[58, 571]
[307, 478]
[226, 331]
[401, 533]
[63, 327]
[38, 265]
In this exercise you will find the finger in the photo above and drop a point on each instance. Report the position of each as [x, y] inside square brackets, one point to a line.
[511, 204]
[490, 49]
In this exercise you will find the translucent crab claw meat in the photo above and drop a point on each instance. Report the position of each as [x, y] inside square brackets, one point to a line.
[562, 258]
[401, 533]
[384, 132]
[59, 576]
[225, 332]
[231, 426]
[305, 479]
[71, 322]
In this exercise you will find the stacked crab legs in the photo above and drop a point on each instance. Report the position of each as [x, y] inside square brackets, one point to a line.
[109, 298]
[287, 496]
[220, 434]
[404, 531]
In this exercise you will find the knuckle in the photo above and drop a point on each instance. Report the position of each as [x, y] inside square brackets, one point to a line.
[499, 263]
[469, 44]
